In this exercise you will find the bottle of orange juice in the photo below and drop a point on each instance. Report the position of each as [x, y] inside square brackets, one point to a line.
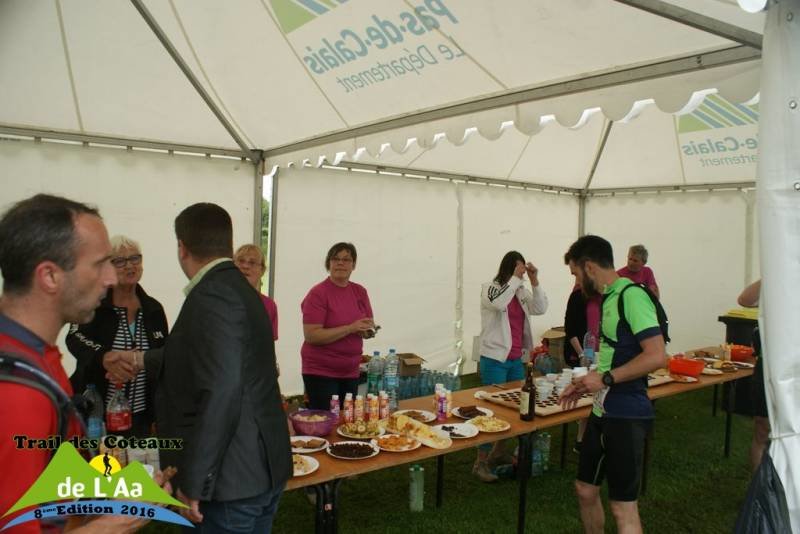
[374, 408]
[358, 409]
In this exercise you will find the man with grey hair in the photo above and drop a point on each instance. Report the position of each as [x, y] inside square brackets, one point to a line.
[637, 270]
[55, 259]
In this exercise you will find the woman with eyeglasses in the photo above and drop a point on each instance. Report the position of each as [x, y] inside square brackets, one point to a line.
[337, 317]
[250, 260]
[127, 319]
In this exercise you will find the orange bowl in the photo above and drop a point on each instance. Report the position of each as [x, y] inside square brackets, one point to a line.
[686, 366]
[741, 353]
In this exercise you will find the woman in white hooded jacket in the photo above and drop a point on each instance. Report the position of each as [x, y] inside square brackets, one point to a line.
[506, 336]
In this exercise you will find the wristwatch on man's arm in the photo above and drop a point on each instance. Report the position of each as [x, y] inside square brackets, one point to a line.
[608, 379]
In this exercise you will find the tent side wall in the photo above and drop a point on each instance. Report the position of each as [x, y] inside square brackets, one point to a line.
[541, 226]
[407, 235]
[138, 193]
[702, 247]
[698, 251]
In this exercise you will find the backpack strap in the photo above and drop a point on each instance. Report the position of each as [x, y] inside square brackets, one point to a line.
[620, 311]
[20, 370]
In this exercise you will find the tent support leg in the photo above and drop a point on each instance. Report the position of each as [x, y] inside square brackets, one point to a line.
[273, 234]
[714, 401]
[258, 193]
[523, 474]
[731, 387]
[439, 480]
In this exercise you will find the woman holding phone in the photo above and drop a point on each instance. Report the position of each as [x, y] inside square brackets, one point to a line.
[337, 317]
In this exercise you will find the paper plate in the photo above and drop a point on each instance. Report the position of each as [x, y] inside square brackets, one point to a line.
[306, 450]
[486, 411]
[375, 450]
[311, 464]
[464, 430]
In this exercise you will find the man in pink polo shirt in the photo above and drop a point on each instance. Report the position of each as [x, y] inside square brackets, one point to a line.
[637, 270]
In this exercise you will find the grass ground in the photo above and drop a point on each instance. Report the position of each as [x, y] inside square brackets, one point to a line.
[691, 487]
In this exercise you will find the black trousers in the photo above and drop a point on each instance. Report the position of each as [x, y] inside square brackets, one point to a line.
[320, 389]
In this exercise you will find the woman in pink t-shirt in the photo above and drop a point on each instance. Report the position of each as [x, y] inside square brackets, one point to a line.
[250, 260]
[337, 317]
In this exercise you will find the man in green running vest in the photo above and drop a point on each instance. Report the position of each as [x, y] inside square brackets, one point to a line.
[630, 348]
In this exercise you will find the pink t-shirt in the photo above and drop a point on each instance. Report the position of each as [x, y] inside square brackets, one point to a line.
[516, 319]
[272, 311]
[642, 276]
[331, 306]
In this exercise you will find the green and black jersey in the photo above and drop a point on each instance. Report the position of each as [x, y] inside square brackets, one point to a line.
[626, 399]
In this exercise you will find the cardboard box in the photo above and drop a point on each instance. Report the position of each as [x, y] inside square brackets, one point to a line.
[556, 337]
[410, 364]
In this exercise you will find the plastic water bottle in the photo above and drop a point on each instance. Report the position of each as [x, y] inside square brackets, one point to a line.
[119, 416]
[544, 448]
[416, 488]
[589, 343]
[536, 460]
[391, 379]
[94, 420]
[374, 373]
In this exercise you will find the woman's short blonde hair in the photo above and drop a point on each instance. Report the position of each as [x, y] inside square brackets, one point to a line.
[118, 242]
[246, 249]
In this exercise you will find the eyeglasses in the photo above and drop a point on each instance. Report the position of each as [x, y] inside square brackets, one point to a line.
[122, 261]
[249, 263]
[341, 260]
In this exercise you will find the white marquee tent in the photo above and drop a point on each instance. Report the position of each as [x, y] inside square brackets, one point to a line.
[452, 131]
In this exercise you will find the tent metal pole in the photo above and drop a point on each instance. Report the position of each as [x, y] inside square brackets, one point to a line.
[459, 178]
[173, 52]
[532, 186]
[124, 142]
[458, 323]
[749, 231]
[578, 84]
[582, 198]
[258, 193]
[705, 187]
[273, 234]
[581, 215]
[698, 21]
[598, 154]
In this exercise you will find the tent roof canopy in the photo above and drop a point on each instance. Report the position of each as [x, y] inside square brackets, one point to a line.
[287, 76]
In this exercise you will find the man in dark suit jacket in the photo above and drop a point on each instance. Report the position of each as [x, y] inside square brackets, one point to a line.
[217, 387]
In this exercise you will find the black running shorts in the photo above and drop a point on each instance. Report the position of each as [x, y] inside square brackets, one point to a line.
[614, 449]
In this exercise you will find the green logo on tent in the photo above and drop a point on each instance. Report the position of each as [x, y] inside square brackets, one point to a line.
[716, 112]
[70, 486]
[292, 14]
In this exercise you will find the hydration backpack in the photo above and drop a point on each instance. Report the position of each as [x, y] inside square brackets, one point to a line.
[661, 314]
